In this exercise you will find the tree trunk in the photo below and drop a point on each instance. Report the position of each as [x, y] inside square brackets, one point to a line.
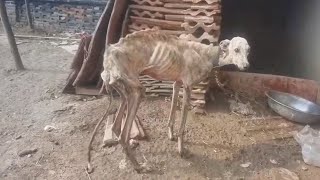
[28, 14]
[17, 10]
[12, 41]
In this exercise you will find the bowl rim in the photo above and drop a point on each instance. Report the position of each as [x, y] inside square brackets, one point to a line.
[290, 107]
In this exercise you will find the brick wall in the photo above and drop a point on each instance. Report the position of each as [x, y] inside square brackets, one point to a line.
[59, 15]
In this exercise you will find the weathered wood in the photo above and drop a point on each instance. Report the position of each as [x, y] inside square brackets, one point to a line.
[97, 44]
[198, 101]
[138, 27]
[96, 73]
[148, 14]
[93, 91]
[116, 19]
[207, 28]
[10, 36]
[171, 1]
[203, 19]
[29, 17]
[125, 28]
[149, 2]
[164, 31]
[172, 25]
[207, 1]
[194, 96]
[17, 10]
[196, 12]
[157, 9]
[192, 1]
[173, 32]
[77, 63]
[158, 90]
[204, 36]
[192, 6]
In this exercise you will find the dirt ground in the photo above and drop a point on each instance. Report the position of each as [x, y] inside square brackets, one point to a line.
[222, 145]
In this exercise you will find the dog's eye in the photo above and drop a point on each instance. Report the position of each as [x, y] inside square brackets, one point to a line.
[237, 50]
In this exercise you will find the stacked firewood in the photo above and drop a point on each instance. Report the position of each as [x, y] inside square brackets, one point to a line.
[194, 20]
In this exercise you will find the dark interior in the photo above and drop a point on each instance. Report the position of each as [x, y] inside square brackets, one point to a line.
[274, 30]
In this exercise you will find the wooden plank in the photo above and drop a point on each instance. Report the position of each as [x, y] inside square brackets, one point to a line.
[192, 6]
[196, 12]
[159, 91]
[149, 2]
[172, 32]
[87, 91]
[204, 36]
[192, 1]
[194, 96]
[157, 9]
[207, 28]
[147, 14]
[206, 1]
[203, 19]
[171, 25]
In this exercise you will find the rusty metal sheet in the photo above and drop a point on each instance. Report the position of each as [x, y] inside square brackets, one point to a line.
[307, 89]
[257, 84]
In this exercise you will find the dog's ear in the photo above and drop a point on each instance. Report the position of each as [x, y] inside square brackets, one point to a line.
[224, 45]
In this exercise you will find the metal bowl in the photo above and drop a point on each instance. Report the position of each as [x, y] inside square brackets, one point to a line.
[293, 107]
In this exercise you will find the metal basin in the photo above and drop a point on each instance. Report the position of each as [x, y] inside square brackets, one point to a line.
[293, 107]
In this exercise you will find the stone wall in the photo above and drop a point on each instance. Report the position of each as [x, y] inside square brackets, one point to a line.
[58, 15]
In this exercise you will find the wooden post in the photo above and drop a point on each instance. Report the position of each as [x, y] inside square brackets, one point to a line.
[12, 41]
[17, 10]
[29, 14]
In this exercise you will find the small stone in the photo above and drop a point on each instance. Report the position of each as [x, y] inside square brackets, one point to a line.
[29, 155]
[122, 164]
[273, 161]
[133, 143]
[49, 128]
[52, 172]
[304, 168]
[245, 165]
[27, 152]
[18, 137]
[54, 142]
